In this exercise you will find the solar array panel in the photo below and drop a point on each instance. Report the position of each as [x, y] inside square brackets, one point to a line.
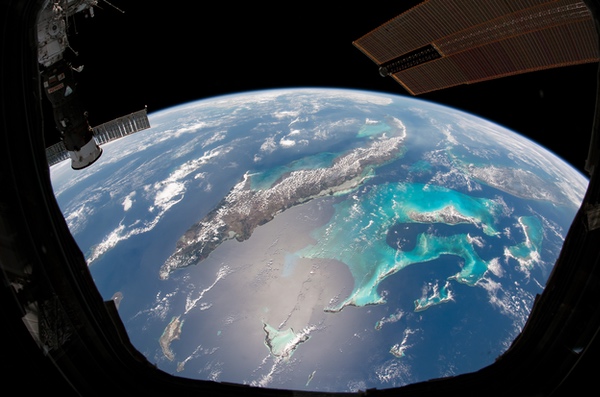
[121, 127]
[104, 133]
[443, 43]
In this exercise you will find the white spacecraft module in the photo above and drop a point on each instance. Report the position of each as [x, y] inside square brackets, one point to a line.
[61, 90]
[60, 87]
[103, 133]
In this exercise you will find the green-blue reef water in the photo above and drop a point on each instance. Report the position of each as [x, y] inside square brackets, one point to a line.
[266, 179]
[283, 343]
[438, 297]
[357, 233]
[430, 224]
[527, 253]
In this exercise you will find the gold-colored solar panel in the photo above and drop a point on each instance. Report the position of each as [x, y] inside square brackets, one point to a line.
[444, 43]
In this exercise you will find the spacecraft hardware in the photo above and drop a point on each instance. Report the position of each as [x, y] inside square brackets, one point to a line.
[79, 141]
[424, 50]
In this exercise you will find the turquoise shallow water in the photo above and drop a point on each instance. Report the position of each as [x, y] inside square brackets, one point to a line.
[356, 235]
[282, 343]
[527, 253]
[442, 278]
[372, 129]
[266, 179]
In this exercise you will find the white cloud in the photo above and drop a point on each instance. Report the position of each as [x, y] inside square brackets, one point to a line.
[268, 145]
[394, 372]
[166, 196]
[287, 142]
[160, 307]
[190, 302]
[283, 114]
[495, 267]
[128, 201]
[77, 218]
[192, 127]
[167, 193]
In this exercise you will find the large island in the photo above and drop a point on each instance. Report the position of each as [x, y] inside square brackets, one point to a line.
[243, 208]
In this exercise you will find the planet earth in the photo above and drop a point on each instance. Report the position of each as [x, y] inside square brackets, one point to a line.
[320, 239]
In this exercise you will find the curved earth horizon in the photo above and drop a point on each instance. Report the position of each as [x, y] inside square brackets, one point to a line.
[320, 239]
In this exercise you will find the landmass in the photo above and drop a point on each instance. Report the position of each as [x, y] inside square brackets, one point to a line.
[438, 297]
[398, 350]
[117, 298]
[310, 377]
[518, 182]
[282, 344]
[243, 209]
[449, 215]
[527, 253]
[171, 332]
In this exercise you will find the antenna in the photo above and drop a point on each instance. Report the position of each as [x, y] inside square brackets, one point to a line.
[114, 6]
